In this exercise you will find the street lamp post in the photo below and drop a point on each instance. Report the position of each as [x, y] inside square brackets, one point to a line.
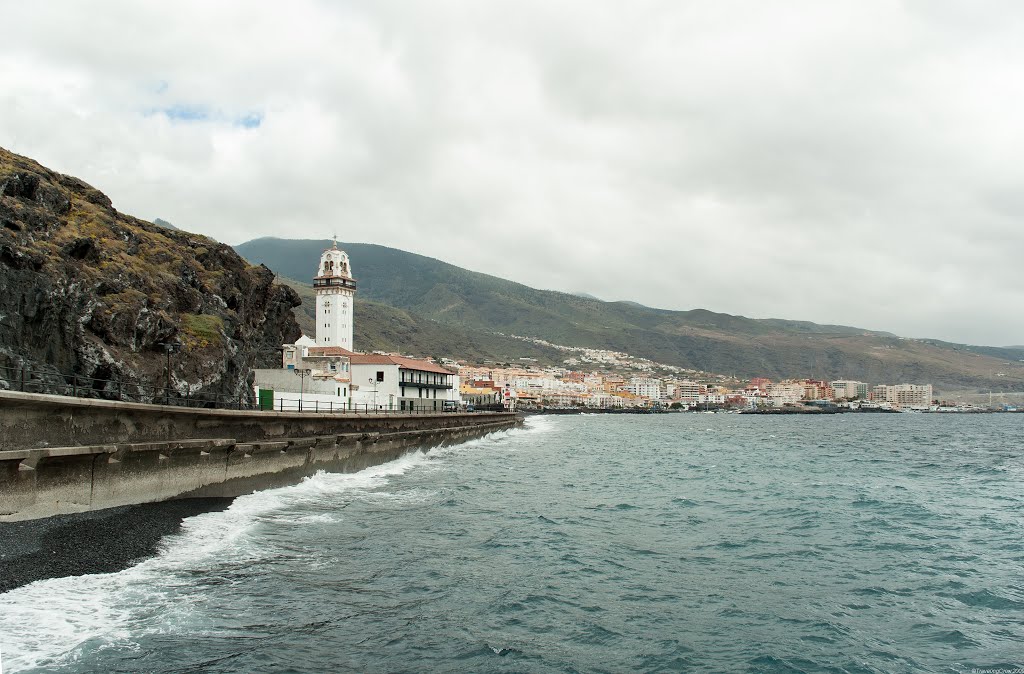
[374, 382]
[302, 382]
[169, 347]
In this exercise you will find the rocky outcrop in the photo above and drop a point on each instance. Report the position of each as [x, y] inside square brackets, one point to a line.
[90, 292]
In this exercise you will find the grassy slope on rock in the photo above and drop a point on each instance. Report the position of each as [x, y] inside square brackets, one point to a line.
[89, 290]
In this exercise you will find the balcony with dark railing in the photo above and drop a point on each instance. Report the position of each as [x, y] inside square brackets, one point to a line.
[333, 282]
[440, 383]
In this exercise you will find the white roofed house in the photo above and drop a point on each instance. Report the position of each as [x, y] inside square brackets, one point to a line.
[389, 382]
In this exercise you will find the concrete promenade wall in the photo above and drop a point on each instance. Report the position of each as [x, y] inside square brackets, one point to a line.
[63, 455]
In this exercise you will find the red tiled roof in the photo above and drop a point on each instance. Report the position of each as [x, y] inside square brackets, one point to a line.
[371, 359]
[423, 365]
[328, 351]
[400, 361]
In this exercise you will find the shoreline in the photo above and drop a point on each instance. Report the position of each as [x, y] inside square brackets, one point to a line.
[98, 541]
[773, 411]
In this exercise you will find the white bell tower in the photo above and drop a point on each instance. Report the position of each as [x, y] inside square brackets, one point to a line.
[335, 289]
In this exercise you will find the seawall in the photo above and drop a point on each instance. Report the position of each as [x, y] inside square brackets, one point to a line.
[64, 455]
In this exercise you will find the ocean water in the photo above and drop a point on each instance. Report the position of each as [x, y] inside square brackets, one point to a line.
[688, 542]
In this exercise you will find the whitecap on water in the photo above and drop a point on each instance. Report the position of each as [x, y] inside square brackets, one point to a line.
[48, 622]
[52, 622]
[406, 497]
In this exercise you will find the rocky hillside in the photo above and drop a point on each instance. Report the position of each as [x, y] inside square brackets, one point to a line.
[460, 300]
[92, 292]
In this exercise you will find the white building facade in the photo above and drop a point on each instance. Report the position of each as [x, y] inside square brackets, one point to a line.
[645, 387]
[904, 396]
[387, 382]
[850, 389]
[335, 291]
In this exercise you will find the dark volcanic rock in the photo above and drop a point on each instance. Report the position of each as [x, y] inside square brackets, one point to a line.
[92, 292]
[101, 541]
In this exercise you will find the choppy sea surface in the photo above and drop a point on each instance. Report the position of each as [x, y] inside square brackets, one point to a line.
[686, 542]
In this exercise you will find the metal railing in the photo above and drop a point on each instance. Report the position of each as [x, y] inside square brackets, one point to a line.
[333, 281]
[423, 384]
[49, 381]
[329, 407]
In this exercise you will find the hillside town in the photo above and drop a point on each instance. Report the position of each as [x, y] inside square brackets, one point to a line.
[326, 373]
[536, 387]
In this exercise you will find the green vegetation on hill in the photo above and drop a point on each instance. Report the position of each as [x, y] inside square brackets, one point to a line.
[379, 327]
[91, 291]
[458, 299]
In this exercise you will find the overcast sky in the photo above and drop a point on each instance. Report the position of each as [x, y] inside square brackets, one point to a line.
[842, 162]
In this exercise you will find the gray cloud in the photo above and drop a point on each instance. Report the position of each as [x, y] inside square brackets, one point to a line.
[843, 162]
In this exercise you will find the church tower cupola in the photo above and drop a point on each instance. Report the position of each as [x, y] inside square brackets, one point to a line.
[335, 290]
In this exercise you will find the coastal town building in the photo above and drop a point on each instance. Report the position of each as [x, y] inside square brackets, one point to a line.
[325, 373]
[784, 393]
[689, 391]
[851, 390]
[480, 393]
[390, 382]
[817, 390]
[289, 390]
[292, 354]
[904, 396]
[645, 387]
[613, 384]
[537, 386]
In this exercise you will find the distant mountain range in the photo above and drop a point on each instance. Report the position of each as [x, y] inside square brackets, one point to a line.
[420, 304]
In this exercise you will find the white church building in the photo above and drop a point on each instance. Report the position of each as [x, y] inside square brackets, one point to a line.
[335, 290]
[325, 374]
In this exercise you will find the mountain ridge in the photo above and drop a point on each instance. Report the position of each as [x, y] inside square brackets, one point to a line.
[697, 339]
[292, 266]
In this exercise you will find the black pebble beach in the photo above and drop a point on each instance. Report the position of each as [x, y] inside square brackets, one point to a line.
[101, 541]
